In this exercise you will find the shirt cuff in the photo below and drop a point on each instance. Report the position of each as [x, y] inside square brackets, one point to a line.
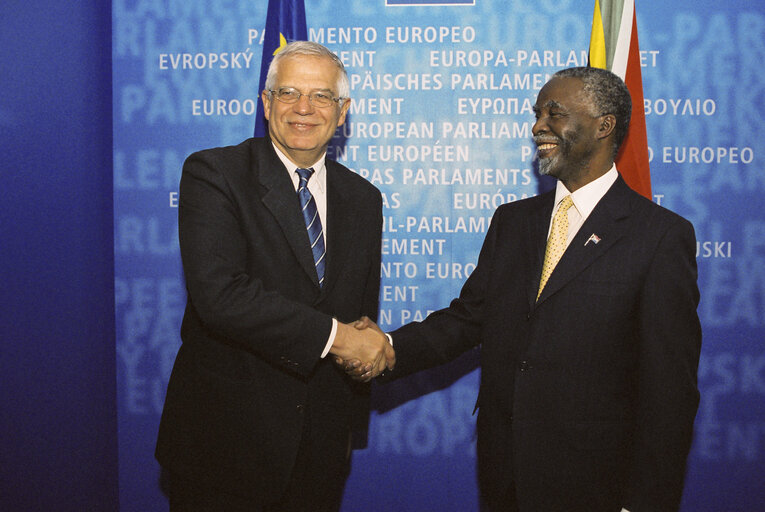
[331, 339]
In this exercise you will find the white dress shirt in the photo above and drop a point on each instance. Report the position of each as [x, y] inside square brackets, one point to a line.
[317, 186]
[585, 199]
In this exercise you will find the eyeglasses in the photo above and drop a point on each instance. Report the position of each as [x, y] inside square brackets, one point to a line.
[291, 95]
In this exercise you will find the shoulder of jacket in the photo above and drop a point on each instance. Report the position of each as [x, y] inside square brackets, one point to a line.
[352, 179]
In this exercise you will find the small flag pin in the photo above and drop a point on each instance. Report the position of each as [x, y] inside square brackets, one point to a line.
[593, 238]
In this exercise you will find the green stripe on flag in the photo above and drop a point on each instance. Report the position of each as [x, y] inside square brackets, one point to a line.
[611, 13]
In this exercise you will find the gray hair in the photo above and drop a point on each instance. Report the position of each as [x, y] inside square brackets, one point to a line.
[608, 94]
[313, 49]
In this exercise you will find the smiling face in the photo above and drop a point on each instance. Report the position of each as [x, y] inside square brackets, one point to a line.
[300, 130]
[566, 132]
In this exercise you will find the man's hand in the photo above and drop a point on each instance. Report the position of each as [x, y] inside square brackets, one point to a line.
[362, 349]
[358, 369]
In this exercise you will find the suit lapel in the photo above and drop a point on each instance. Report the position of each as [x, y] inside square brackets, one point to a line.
[341, 225]
[281, 200]
[538, 225]
[602, 222]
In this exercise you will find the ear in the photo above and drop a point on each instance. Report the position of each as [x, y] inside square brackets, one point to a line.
[266, 98]
[607, 126]
[343, 111]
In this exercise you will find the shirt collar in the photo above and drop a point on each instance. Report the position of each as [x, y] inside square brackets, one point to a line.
[586, 198]
[319, 169]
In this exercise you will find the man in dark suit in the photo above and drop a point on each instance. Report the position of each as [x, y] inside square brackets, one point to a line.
[280, 247]
[588, 380]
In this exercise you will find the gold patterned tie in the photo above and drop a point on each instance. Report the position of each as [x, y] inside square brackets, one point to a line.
[556, 243]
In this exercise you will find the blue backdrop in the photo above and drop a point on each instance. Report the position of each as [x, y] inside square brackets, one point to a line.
[58, 412]
[440, 123]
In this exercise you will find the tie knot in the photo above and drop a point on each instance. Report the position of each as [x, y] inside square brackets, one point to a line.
[566, 203]
[305, 174]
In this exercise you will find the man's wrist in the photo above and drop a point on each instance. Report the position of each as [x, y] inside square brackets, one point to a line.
[331, 339]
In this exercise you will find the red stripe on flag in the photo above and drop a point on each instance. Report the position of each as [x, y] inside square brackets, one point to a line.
[632, 160]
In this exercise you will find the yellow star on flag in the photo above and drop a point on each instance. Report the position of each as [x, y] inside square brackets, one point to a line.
[282, 43]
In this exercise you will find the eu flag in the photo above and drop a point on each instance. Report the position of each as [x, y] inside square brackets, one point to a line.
[285, 22]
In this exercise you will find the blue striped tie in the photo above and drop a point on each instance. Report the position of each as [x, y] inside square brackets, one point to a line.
[312, 223]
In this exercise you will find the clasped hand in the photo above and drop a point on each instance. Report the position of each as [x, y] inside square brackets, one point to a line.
[362, 350]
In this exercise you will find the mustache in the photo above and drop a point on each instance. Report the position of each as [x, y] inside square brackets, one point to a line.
[546, 139]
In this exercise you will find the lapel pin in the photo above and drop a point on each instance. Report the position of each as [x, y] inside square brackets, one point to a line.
[593, 238]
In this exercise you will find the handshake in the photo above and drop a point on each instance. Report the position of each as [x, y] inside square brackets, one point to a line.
[362, 350]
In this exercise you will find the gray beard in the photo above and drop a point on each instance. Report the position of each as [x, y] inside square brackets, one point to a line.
[546, 165]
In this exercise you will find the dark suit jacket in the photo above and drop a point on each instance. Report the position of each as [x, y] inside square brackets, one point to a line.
[249, 369]
[588, 396]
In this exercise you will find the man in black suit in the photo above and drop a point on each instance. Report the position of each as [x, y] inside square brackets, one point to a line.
[280, 247]
[588, 380]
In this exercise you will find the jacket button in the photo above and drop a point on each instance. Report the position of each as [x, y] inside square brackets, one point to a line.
[300, 408]
[524, 366]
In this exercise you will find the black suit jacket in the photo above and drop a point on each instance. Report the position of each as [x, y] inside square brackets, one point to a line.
[587, 396]
[249, 369]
